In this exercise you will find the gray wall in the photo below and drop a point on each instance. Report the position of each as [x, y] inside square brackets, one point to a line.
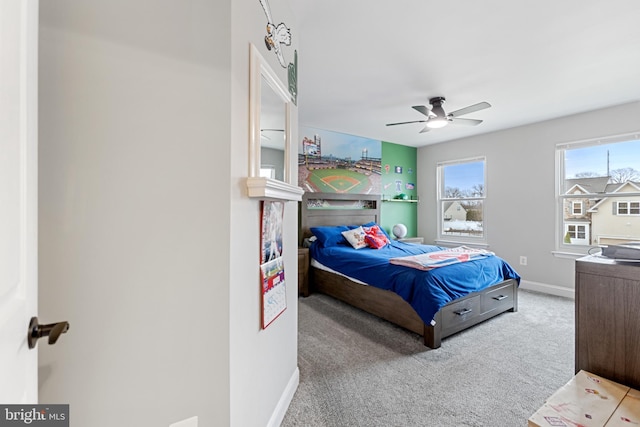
[148, 243]
[263, 362]
[520, 212]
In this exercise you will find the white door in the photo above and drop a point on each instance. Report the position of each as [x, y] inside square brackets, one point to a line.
[18, 198]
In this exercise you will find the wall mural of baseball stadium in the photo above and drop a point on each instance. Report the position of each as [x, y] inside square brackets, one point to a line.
[334, 162]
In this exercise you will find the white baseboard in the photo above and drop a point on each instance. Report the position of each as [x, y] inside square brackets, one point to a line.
[548, 289]
[285, 400]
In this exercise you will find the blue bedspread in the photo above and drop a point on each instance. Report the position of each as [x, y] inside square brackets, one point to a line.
[426, 291]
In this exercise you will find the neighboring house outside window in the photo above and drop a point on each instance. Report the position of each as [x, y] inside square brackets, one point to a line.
[617, 221]
[454, 211]
[577, 220]
[461, 199]
[599, 183]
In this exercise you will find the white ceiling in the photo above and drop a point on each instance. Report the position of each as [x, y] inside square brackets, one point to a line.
[362, 64]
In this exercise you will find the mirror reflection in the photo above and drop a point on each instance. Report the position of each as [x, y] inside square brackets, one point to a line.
[272, 132]
[271, 148]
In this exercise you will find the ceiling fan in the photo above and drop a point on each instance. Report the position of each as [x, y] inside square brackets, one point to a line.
[437, 118]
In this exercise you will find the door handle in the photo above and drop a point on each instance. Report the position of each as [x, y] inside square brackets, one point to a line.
[52, 330]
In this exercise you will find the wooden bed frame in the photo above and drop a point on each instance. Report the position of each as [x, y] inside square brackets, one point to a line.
[456, 316]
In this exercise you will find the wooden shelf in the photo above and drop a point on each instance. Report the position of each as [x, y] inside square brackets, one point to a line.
[270, 189]
[401, 200]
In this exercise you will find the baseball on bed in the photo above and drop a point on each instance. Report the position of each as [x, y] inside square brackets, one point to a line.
[399, 230]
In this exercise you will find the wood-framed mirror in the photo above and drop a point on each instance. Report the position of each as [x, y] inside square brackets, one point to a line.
[271, 145]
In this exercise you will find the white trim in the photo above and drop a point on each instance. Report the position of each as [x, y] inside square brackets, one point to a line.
[454, 243]
[570, 195]
[560, 179]
[569, 255]
[544, 288]
[271, 189]
[285, 400]
[598, 141]
[259, 69]
[441, 200]
[460, 161]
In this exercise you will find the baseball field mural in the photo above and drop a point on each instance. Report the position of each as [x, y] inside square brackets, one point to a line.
[334, 162]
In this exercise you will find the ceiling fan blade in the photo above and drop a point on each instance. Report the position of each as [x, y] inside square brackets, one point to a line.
[470, 109]
[466, 122]
[405, 123]
[422, 109]
[426, 129]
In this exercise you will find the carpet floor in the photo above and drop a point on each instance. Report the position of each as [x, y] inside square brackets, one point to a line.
[359, 370]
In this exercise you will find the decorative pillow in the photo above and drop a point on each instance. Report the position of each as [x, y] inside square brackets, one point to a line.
[371, 224]
[375, 237]
[329, 236]
[356, 237]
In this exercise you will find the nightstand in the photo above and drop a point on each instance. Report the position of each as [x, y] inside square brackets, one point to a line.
[303, 272]
[415, 240]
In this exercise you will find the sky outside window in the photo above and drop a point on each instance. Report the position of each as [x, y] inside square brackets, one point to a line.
[594, 159]
[464, 176]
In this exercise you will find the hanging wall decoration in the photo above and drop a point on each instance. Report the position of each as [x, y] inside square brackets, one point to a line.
[274, 297]
[292, 77]
[334, 162]
[277, 35]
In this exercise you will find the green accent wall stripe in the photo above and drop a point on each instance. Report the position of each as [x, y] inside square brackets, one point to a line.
[399, 176]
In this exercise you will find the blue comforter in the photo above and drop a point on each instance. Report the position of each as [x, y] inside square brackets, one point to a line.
[426, 291]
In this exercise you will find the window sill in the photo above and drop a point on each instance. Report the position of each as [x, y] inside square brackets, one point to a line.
[452, 243]
[569, 255]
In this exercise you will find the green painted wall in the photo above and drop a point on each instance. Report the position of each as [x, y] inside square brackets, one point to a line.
[399, 177]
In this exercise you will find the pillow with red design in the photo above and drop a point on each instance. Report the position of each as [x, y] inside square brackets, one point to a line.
[356, 237]
[375, 237]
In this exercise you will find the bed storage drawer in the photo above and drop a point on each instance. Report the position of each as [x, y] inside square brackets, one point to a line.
[498, 299]
[457, 315]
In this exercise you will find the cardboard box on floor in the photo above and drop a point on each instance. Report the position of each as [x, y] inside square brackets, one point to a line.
[628, 412]
[591, 401]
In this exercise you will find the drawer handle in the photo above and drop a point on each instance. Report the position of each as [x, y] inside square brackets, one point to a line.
[463, 311]
[500, 297]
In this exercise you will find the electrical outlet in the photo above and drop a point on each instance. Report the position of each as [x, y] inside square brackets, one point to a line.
[523, 260]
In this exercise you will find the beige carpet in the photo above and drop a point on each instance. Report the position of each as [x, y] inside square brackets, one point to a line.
[358, 370]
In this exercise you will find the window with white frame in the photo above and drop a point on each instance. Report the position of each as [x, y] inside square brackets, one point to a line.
[576, 233]
[604, 175]
[576, 208]
[627, 208]
[461, 200]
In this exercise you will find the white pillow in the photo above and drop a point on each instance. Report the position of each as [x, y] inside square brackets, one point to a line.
[355, 237]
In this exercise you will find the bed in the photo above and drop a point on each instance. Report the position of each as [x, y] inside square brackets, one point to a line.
[460, 309]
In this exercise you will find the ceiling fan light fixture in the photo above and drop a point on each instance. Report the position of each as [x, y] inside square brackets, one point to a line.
[438, 118]
[437, 122]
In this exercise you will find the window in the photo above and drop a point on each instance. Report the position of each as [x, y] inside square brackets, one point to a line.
[267, 171]
[627, 208]
[576, 208]
[461, 198]
[598, 192]
[576, 231]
